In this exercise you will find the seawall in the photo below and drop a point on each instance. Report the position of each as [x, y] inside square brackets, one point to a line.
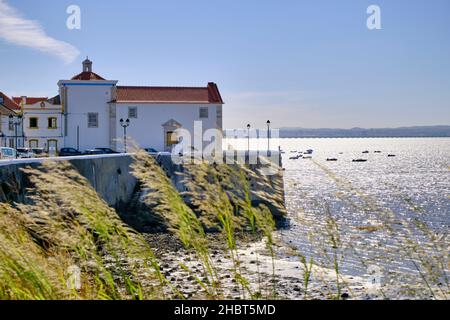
[110, 176]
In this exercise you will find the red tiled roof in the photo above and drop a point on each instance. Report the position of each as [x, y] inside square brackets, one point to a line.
[85, 75]
[209, 94]
[8, 103]
[29, 100]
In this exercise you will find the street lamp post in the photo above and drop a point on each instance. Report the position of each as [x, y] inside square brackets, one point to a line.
[248, 140]
[125, 124]
[16, 122]
[268, 136]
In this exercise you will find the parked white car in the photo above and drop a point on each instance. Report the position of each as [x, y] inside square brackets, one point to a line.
[7, 153]
[25, 153]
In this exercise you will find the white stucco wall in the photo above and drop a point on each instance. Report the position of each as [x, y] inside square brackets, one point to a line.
[79, 99]
[147, 129]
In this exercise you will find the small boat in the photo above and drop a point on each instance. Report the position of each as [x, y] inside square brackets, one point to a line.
[309, 151]
[365, 151]
[295, 157]
[377, 151]
[294, 151]
[307, 157]
[332, 159]
[359, 160]
[391, 155]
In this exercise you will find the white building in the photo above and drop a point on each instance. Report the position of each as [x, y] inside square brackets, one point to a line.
[42, 121]
[11, 131]
[93, 107]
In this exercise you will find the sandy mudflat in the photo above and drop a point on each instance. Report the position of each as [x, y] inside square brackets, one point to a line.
[256, 267]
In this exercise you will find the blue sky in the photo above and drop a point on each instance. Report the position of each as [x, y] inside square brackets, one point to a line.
[298, 63]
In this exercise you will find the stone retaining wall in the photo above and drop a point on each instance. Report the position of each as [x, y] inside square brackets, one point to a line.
[110, 176]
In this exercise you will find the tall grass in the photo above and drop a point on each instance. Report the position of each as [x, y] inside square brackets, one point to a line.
[164, 200]
[25, 270]
[222, 194]
[216, 198]
[67, 224]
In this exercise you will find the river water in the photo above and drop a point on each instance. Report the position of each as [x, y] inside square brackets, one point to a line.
[389, 215]
[359, 202]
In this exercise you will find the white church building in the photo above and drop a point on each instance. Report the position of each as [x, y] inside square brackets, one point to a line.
[92, 108]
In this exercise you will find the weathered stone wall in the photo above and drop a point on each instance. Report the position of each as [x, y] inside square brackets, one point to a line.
[110, 176]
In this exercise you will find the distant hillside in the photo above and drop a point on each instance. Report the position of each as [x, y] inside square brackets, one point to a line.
[419, 131]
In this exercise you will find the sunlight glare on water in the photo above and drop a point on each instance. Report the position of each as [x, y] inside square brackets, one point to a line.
[413, 185]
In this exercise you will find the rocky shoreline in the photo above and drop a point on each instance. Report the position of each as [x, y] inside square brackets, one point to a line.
[256, 268]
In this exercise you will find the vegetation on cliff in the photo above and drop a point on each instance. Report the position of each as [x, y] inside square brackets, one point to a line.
[67, 234]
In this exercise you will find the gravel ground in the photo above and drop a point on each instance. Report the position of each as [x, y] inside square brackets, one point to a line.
[256, 267]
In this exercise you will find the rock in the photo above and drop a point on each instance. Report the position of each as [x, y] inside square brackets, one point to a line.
[345, 295]
[190, 278]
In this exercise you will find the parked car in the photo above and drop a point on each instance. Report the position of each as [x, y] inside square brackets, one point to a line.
[68, 152]
[7, 153]
[107, 150]
[151, 151]
[25, 153]
[100, 151]
[163, 155]
[90, 152]
[38, 151]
